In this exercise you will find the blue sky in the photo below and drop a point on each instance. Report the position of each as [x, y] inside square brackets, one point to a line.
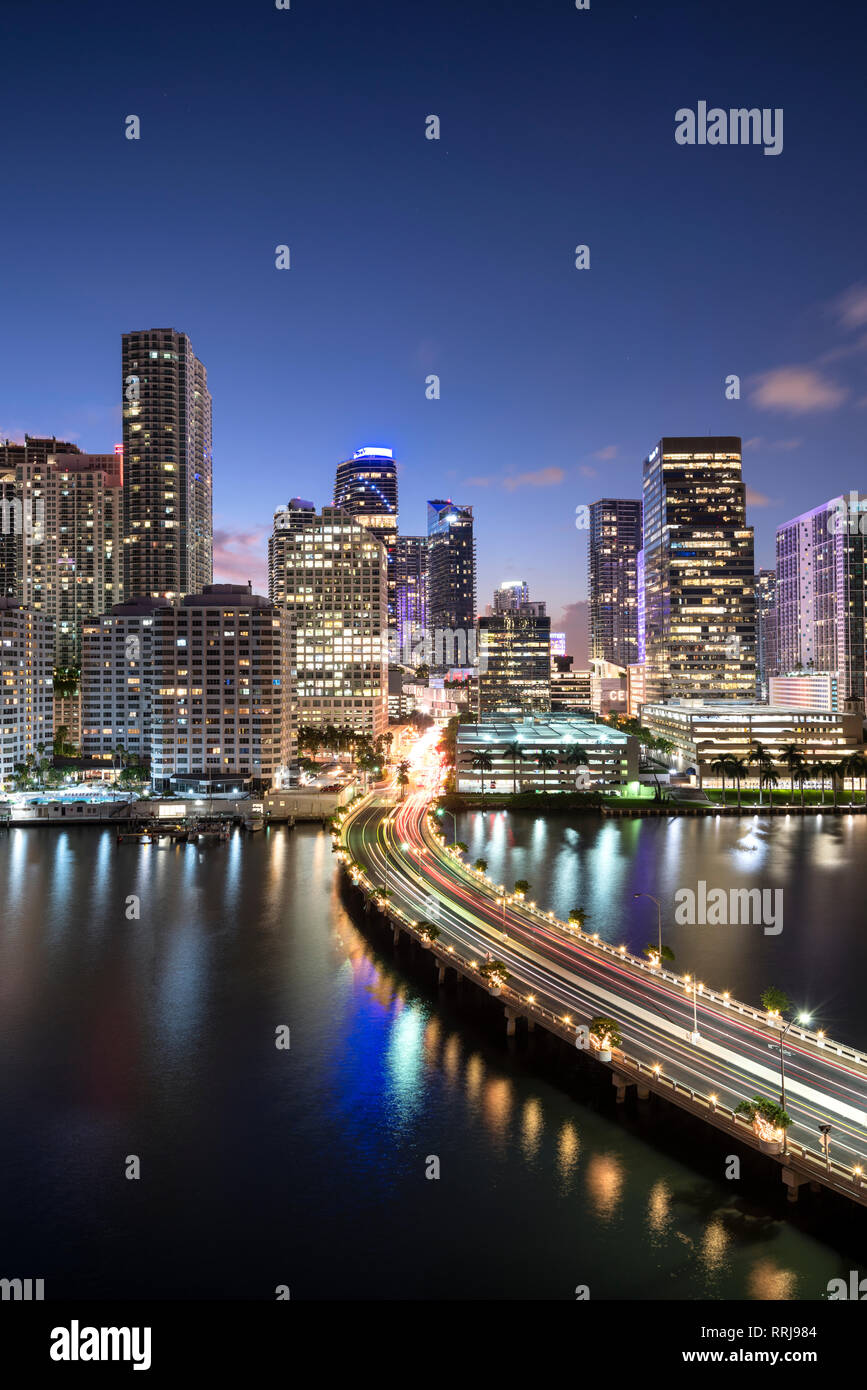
[409, 256]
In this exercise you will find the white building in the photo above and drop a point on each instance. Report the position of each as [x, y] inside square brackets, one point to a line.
[220, 703]
[116, 680]
[805, 690]
[26, 668]
[329, 575]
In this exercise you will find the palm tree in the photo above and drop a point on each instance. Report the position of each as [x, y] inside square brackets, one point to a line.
[513, 751]
[481, 865]
[577, 756]
[737, 770]
[822, 771]
[762, 758]
[720, 767]
[482, 762]
[578, 917]
[522, 886]
[545, 760]
[651, 950]
[858, 768]
[791, 756]
[403, 783]
[768, 778]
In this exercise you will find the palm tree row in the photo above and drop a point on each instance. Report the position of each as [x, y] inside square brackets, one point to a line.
[544, 760]
[852, 766]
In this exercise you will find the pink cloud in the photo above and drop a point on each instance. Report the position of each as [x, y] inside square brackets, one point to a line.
[241, 555]
[757, 499]
[609, 452]
[543, 477]
[796, 390]
[851, 307]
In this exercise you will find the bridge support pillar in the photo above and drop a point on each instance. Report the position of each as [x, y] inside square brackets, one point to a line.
[396, 932]
[621, 1083]
[643, 1092]
[511, 1019]
[793, 1182]
[531, 1025]
[441, 974]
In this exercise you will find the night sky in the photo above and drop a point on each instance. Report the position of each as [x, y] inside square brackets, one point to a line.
[410, 256]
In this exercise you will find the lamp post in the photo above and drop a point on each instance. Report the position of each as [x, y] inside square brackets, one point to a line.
[825, 1130]
[694, 1035]
[800, 1018]
[658, 919]
[443, 812]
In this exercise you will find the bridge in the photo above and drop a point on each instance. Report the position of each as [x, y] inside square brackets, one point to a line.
[699, 1049]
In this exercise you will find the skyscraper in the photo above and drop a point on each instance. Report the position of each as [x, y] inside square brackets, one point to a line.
[820, 593]
[411, 578]
[766, 630]
[615, 540]
[168, 475]
[451, 567]
[365, 486]
[62, 552]
[698, 572]
[329, 576]
[515, 660]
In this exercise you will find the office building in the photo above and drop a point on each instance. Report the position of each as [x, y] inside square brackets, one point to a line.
[766, 630]
[451, 569]
[704, 730]
[365, 486]
[219, 703]
[411, 574]
[805, 690]
[26, 693]
[698, 572]
[570, 690]
[612, 561]
[168, 471]
[330, 579]
[821, 598]
[515, 659]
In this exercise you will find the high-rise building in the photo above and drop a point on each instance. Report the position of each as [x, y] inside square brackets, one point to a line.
[168, 473]
[66, 530]
[219, 697]
[820, 593]
[365, 486]
[615, 540]
[698, 572]
[451, 567]
[329, 576]
[515, 660]
[26, 692]
[411, 576]
[510, 595]
[117, 680]
[766, 630]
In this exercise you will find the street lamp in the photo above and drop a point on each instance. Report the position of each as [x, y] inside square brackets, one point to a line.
[441, 811]
[658, 919]
[800, 1018]
[825, 1130]
[694, 1035]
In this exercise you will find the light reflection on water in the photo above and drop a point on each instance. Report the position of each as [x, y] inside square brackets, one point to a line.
[157, 1035]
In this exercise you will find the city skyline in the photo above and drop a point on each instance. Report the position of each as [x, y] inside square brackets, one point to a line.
[458, 277]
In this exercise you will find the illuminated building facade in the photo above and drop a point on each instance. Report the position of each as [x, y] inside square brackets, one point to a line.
[612, 562]
[116, 680]
[698, 572]
[411, 576]
[515, 661]
[26, 692]
[821, 597]
[329, 577]
[766, 630]
[365, 486]
[168, 472]
[451, 567]
[218, 687]
[65, 527]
